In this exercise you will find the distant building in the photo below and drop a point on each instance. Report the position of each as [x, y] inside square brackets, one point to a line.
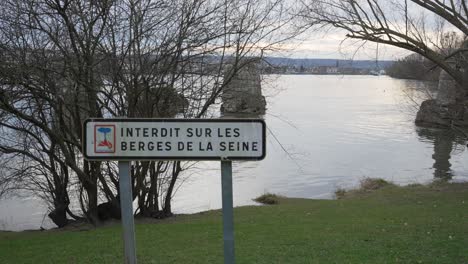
[325, 70]
[332, 70]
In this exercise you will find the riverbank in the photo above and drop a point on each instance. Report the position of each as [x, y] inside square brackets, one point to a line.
[412, 224]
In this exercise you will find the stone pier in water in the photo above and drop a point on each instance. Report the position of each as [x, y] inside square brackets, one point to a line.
[243, 94]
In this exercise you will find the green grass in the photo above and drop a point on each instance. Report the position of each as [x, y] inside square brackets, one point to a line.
[415, 224]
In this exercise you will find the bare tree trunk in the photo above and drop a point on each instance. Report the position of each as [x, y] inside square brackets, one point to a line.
[176, 169]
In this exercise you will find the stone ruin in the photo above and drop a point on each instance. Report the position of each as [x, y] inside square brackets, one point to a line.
[447, 108]
[450, 107]
[243, 93]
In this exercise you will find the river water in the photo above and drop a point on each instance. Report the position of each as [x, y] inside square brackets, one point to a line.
[324, 132]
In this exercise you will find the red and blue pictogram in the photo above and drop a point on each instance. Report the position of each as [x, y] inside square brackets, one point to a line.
[104, 138]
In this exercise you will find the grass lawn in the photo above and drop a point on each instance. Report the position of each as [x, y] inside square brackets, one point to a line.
[416, 224]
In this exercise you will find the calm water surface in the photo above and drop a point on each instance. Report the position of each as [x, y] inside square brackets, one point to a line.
[324, 133]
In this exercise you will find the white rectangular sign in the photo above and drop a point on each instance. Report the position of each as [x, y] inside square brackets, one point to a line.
[174, 139]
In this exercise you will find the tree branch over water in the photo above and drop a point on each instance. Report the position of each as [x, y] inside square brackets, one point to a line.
[413, 26]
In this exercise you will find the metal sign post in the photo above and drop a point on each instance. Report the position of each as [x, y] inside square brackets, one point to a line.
[228, 215]
[138, 139]
[126, 206]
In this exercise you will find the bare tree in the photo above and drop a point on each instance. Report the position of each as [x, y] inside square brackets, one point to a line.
[417, 25]
[64, 61]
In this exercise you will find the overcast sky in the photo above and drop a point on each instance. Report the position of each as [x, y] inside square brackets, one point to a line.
[333, 46]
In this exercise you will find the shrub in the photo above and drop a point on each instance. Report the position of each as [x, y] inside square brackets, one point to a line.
[267, 198]
[368, 184]
[340, 193]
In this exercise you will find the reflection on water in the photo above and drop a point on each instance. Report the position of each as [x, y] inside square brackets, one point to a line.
[445, 142]
[324, 132]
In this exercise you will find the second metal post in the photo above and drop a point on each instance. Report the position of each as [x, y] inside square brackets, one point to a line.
[126, 207]
[228, 216]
